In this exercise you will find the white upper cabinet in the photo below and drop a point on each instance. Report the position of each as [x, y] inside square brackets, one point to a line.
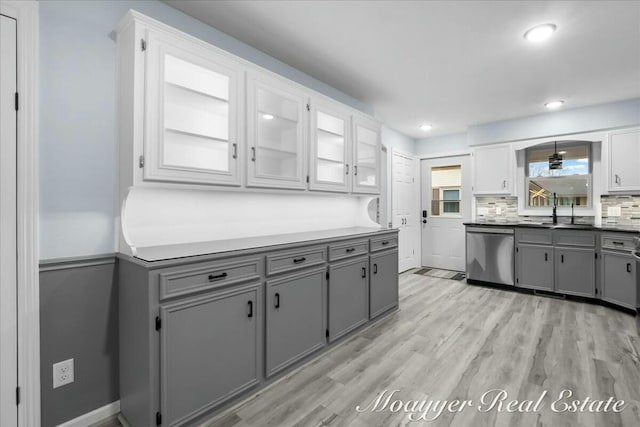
[493, 170]
[191, 115]
[624, 160]
[366, 155]
[330, 147]
[276, 133]
[192, 104]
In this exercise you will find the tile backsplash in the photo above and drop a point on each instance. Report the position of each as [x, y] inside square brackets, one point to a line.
[623, 209]
[497, 209]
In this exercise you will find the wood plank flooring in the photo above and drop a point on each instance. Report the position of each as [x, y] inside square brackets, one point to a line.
[450, 340]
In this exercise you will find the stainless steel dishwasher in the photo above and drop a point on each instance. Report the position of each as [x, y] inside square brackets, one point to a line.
[490, 254]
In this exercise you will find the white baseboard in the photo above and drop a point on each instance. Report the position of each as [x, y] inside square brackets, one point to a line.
[94, 416]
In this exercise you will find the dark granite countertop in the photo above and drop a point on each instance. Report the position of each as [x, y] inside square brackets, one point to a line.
[625, 228]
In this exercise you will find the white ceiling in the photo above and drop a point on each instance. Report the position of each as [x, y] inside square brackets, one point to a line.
[449, 63]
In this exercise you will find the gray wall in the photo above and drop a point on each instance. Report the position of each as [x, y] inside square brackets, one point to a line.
[79, 320]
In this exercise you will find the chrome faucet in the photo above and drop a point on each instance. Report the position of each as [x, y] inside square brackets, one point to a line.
[555, 208]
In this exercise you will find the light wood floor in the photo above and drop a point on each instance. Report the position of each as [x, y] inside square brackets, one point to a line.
[450, 340]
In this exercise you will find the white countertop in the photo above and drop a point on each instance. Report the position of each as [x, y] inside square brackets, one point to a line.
[166, 252]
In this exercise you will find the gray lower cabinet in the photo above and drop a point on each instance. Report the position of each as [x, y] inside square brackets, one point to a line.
[296, 318]
[209, 351]
[535, 267]
[575, 271]
[619, 279]
[348, 296]
[383, 283]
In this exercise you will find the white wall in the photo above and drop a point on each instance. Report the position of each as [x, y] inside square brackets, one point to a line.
[578, 120]
[78, 115]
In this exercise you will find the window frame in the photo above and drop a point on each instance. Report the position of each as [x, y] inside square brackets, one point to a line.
[589, 206]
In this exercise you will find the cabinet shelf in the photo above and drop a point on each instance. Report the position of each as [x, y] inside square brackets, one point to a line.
[196, 92]
[331, 161]
[196, 135]
[278, 151]
[332, 135]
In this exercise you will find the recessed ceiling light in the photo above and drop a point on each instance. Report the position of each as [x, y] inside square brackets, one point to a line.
[540, 33]
[426, 127]
[554, 104]
[267, 116]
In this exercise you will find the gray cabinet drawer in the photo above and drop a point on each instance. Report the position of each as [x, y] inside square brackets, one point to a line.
[382, 243]
[538, 237]
[619, 241]
[281, 262]
[207, 276]
[575, 238]
[348, 249]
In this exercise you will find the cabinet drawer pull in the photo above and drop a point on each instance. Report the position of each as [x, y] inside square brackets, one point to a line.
[375, 268]
[546, 256]
[299, 260]
[253, 154]
[628, 267]
[618, 243]
[385, 243]
[235, 151]
[213, 277]
[276, 299]
[364, 272]
[349, 250]
[250, 304]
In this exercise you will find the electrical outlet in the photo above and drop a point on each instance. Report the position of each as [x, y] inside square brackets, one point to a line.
[62, 373]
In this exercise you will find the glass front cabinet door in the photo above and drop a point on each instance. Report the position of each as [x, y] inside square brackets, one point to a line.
[276, 125]
[329, 148]
[366, 156]
[192, 101]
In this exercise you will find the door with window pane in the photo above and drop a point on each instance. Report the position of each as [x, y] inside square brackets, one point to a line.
[446, 204]
[192, 101]
[330, 139]
[366, 156]
[277, 117]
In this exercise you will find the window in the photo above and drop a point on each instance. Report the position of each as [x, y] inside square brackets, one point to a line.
[570, 183]
[445, 191]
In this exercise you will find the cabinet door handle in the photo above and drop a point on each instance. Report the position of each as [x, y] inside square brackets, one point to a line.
[628, 267]
[546, 256]
[213, 277]
[504, 184]
[618, 243]
[617, 179]
[364, 272]
[347, 170]
[235, 150]
[355, 170]
[276, 299]
[375, 268]
[561, 258]
[253, 154]
[250, 304]
[299, 260]
[385, 243]
[349, 250]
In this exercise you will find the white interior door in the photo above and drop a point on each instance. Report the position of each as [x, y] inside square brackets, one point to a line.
[446, 201]
[404, 209]
[8, 250]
